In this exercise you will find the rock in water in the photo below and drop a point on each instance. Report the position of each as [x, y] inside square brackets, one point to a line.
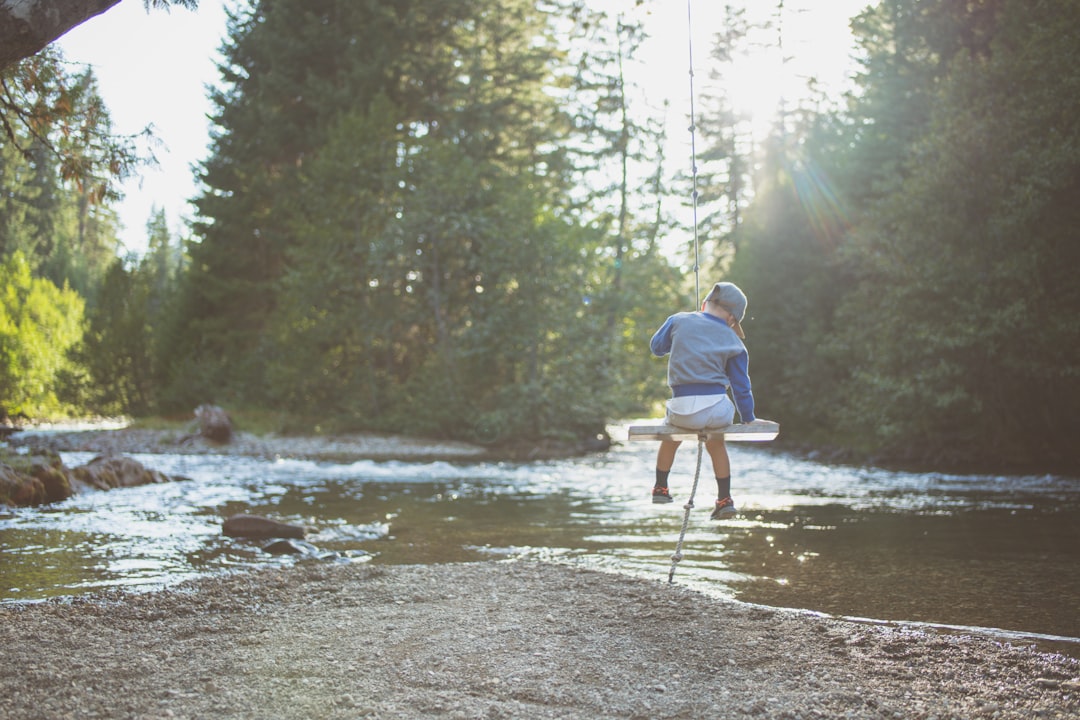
[105, 472]
[256, 526]
[214, 423]
[290, 547]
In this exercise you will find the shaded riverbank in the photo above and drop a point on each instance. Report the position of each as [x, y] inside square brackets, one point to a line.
[494, 640]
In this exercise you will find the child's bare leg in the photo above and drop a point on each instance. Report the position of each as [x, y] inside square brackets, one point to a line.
[720, 462]
[665, 456]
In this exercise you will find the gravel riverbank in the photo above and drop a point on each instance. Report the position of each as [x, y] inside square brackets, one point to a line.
[494, 640]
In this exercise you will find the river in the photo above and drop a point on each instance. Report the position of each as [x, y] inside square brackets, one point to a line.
[941, 550]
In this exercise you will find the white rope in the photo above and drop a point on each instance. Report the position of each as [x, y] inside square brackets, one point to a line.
[686, 515]
[675, 558]
[693, 152]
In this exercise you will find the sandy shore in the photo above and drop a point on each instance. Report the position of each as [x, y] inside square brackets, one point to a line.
[494, 640]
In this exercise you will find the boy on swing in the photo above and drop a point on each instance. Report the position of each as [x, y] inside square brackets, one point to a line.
[707, 358]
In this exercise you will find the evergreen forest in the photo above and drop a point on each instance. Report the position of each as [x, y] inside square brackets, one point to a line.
[449, 218]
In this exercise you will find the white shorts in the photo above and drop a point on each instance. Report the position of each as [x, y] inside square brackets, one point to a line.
[700, 412]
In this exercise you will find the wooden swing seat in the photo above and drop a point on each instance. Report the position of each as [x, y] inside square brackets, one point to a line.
[758, 432]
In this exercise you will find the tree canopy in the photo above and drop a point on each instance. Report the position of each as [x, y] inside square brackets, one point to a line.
[934, 317]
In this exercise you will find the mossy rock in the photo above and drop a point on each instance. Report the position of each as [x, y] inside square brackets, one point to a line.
[30, 457]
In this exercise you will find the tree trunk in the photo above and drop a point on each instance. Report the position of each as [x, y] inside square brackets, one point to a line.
[27, 26]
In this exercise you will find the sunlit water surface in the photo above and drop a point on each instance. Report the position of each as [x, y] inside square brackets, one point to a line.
[971, 551]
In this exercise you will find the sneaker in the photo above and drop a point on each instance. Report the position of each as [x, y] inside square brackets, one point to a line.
[661, 495]
[724, 509]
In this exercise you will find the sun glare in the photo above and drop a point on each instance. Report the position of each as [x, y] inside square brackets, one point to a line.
[772, 71]
[810, 40]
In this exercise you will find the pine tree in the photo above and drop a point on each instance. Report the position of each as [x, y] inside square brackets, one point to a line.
[383, 192]
[964, 266]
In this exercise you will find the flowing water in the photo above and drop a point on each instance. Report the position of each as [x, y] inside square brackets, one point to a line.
[969, 551]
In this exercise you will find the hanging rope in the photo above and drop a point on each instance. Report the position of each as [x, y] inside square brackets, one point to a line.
[677, 556]
[693, 150]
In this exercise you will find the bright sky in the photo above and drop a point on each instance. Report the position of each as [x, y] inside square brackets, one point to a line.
[153, 69]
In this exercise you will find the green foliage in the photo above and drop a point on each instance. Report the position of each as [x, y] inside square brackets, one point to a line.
[386, 241]
[967, 305]
[48, 109]
[115, 346]
[58, 166]
[121, 347]
[787, 267]
[39, 324]
[909, 264]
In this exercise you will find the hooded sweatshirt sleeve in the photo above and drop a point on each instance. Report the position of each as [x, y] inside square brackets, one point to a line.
[661, 341]
[738, 372]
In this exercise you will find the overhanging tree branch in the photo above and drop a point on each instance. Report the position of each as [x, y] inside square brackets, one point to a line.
[28, 26]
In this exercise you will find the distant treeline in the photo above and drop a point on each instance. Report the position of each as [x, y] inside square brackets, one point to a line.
[447, 218]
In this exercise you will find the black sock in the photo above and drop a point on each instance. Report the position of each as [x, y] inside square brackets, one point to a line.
[661, 477]
[723, 487]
